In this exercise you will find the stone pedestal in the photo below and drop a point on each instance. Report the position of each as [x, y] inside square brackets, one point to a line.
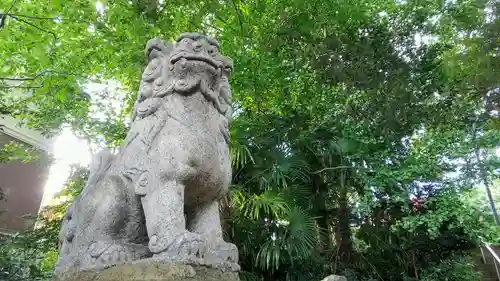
[149, 272]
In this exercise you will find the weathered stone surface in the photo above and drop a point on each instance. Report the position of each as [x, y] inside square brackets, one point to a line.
[149, 272]
[157, 198]
[334, 278]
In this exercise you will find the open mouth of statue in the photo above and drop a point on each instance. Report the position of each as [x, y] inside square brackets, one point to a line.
[184, 57]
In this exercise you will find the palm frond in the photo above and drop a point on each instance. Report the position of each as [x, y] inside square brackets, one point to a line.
[237, 196]
[270, 203]
[299, 170]
[298, 195]
[270, 255]
[278, 177]
[240, 154]
[301, 233]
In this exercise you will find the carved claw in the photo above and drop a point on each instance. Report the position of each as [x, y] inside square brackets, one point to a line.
[225, 252]
[188, 246]
[116, 255]
[108, 254]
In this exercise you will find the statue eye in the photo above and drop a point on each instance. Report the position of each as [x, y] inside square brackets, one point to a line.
[154, 54]
[186, 40]
[213, 51]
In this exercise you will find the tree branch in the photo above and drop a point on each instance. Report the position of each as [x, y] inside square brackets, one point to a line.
[25, 78]
[38, 75]
[2, 20]
[20, 87]
[237, 10]
[37, 27]
[17, 79]
[333, 168]
[4, 16]
[220, 18]
[160, 12]
[31, 17]
[43, 18]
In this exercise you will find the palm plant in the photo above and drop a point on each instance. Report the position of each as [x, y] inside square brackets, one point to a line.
[270, 218]
[278, 211]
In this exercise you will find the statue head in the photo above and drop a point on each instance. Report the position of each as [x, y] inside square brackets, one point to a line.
[192, 63]
[197, 58]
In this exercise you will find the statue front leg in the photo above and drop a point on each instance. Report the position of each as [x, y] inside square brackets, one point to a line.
[166, 225]
[204, 219]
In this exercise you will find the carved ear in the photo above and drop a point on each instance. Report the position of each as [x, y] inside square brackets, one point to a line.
[157, 47]
[228, 66]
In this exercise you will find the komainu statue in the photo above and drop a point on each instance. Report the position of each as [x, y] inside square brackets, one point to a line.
[157, 198]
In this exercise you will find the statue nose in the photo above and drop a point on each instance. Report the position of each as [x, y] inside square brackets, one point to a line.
[183, 62]
[197, 47]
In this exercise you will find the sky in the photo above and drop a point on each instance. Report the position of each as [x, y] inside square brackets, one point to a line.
[67, 150]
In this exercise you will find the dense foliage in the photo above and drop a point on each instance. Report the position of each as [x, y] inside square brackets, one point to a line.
[362, 129]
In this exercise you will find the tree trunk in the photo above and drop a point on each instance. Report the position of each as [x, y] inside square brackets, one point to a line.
[343, 233]
[324, 224]
[323, 215]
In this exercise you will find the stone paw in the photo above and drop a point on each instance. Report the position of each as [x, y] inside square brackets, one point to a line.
[107, 254]
[227, 252]
[186, 247]
[114, 253]
[222, 255]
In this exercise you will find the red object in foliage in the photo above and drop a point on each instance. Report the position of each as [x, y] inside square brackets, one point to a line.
[417, 203]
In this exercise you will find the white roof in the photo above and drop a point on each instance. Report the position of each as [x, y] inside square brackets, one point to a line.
[12, 127]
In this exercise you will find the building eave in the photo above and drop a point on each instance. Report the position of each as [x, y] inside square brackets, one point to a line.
[11, 127]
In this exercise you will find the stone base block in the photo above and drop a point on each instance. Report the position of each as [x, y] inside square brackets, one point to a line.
[149, 272]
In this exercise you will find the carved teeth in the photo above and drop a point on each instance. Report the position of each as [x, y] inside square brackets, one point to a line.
[158, 82]
[187, 56]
